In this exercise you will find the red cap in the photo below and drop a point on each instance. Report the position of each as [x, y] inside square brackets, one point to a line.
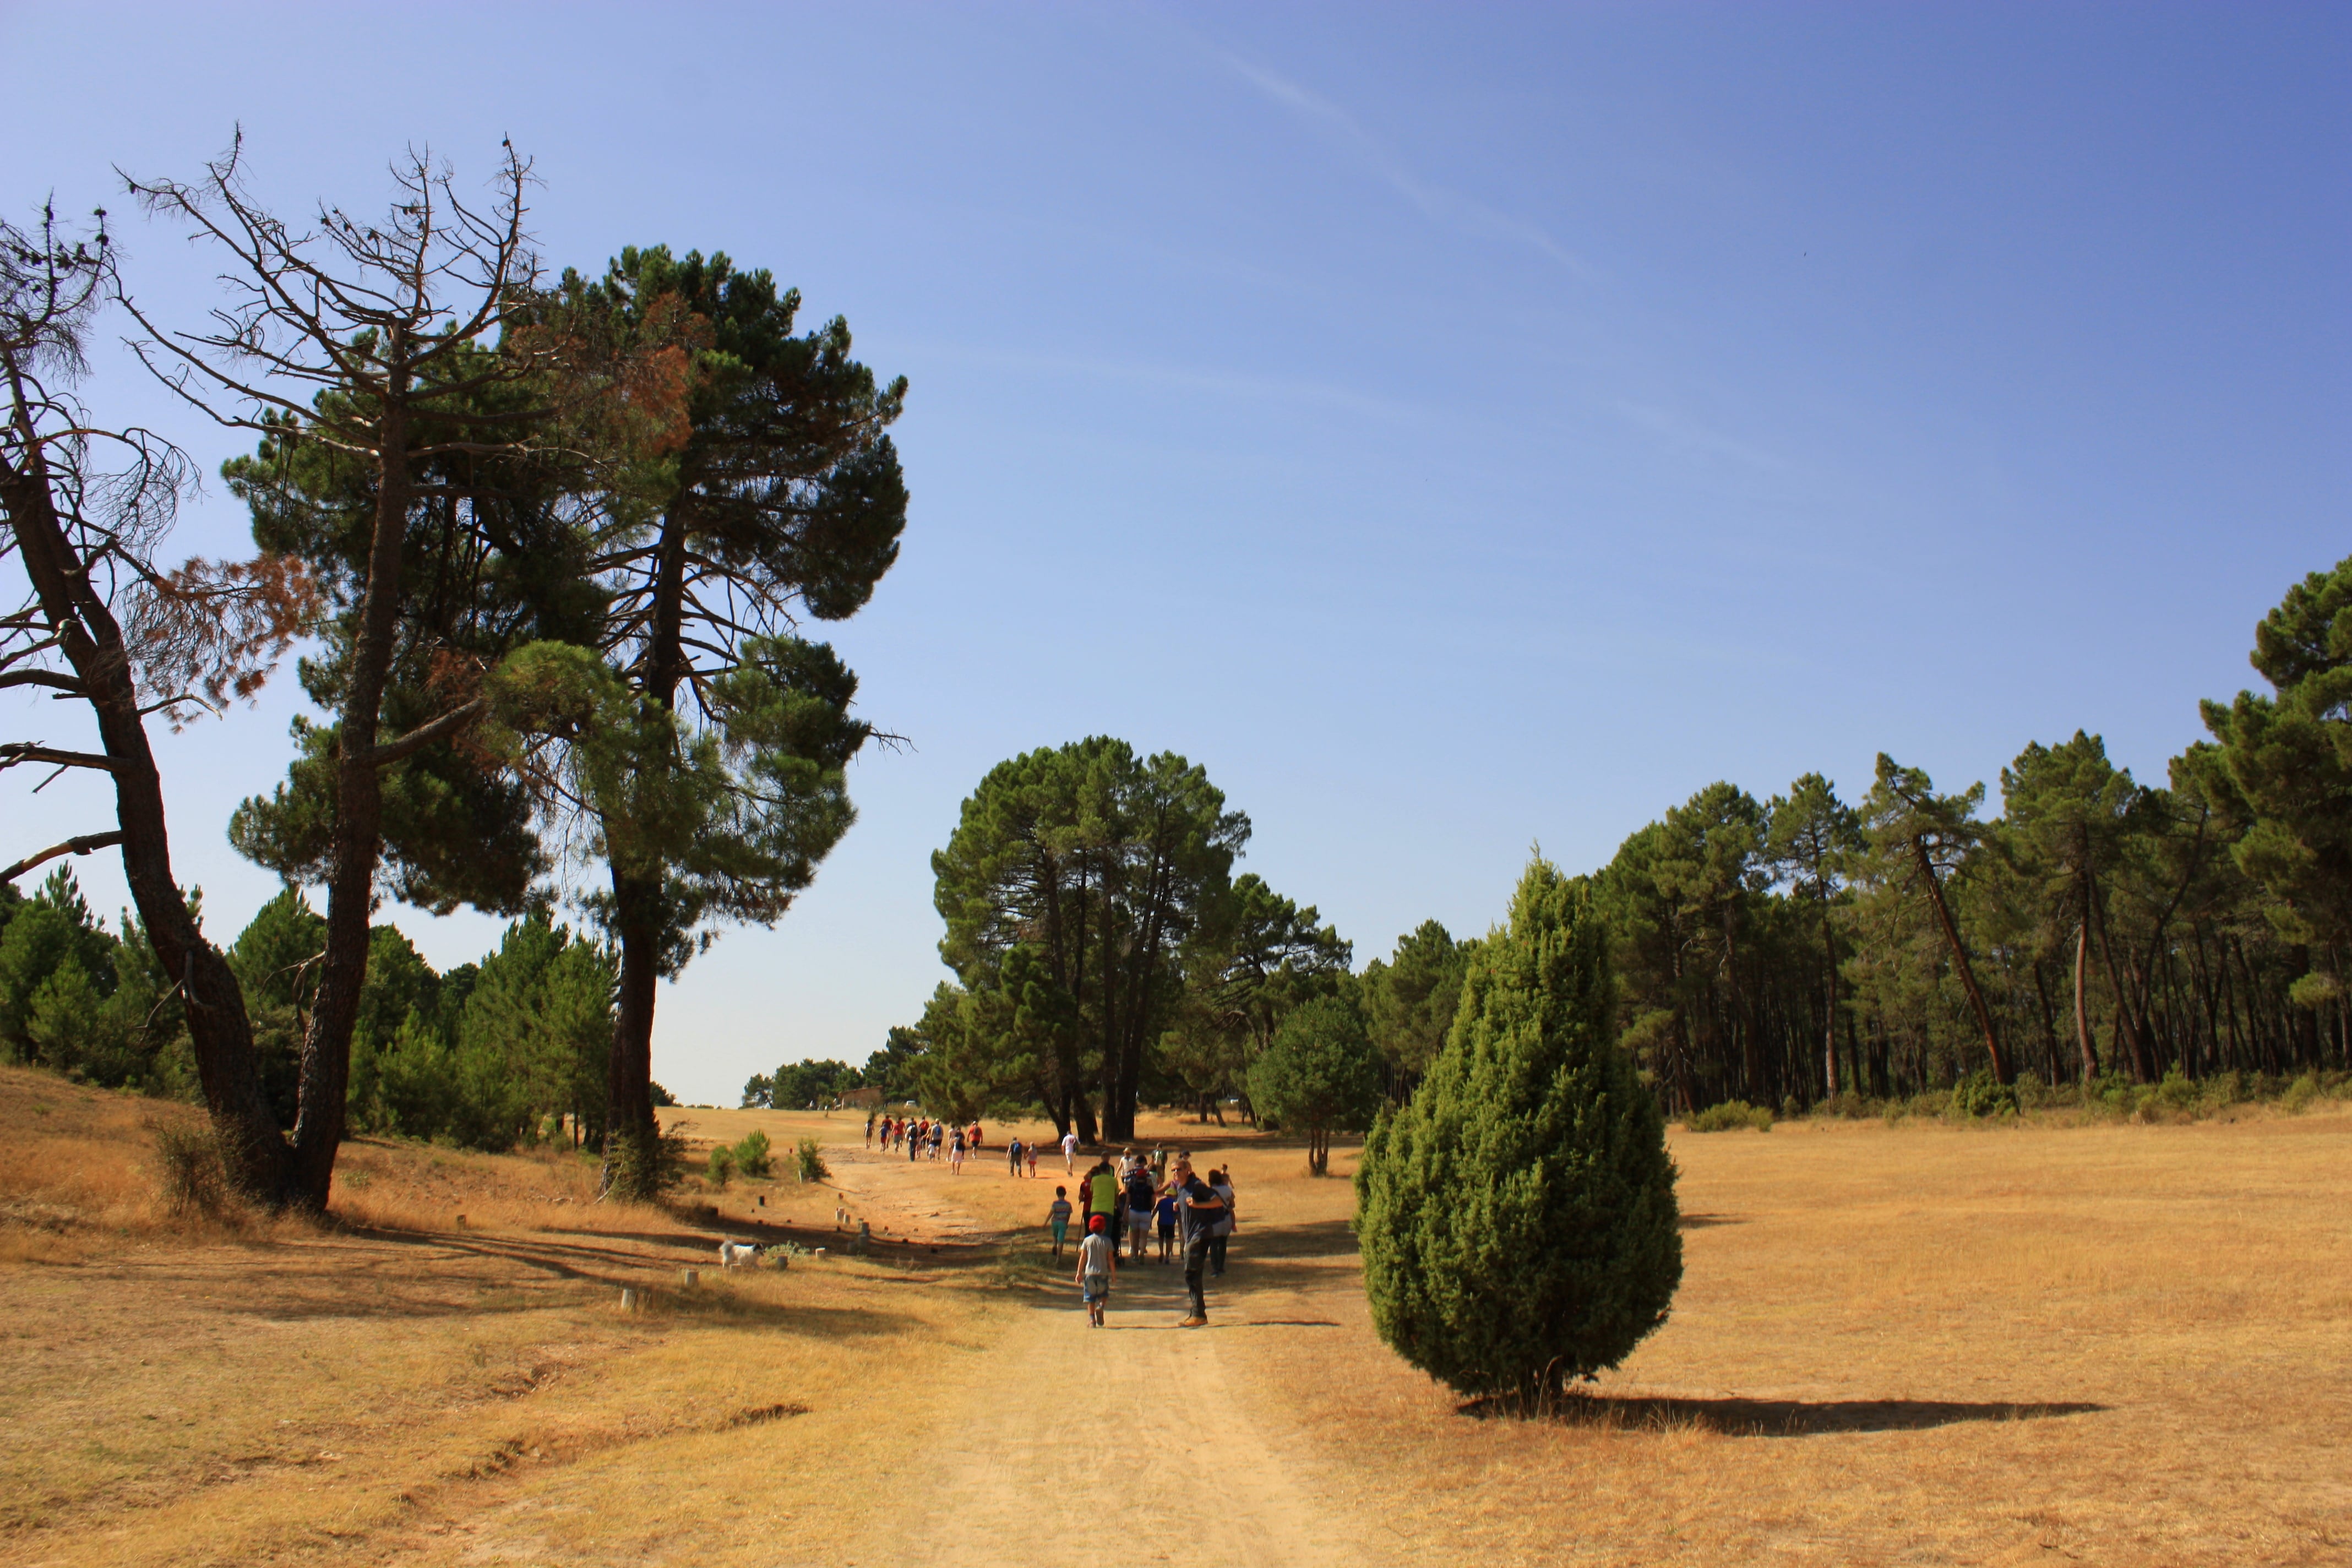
[1095, 1221]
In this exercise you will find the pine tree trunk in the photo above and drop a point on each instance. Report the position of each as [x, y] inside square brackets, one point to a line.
[359, 816]
[1960, 961]
[220, 1034]
[1828, 974]
[2082, 1005]
[632, 1134]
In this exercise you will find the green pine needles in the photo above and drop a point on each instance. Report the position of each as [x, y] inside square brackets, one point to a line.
[1517, 1218]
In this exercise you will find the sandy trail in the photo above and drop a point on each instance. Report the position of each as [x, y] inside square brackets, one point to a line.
[1136, 1442]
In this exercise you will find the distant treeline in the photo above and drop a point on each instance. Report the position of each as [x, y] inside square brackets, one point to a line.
[509, 1050]
[2099, 927]
[1789, 950]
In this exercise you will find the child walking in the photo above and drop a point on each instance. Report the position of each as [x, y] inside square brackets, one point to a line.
[1098, 1260]
[1058, 1217]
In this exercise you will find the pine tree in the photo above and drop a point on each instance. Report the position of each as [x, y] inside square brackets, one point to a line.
[1320, 1076]
[1517, 1218]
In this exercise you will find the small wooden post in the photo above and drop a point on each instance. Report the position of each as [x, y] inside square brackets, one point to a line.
[631, 1298]
[686, 1277]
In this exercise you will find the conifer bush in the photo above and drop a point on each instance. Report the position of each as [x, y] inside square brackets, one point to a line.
[1517, 1218]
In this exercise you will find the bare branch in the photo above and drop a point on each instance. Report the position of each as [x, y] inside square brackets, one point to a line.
[30, 751]
[84, 845]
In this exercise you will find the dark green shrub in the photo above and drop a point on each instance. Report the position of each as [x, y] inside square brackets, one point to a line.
[808, 1156]
[1517, 1217]
[722, 1167]
[2178, 1091]
[1732, 1115]
[1980, 1095]
[639, 1168]
[752, 1158]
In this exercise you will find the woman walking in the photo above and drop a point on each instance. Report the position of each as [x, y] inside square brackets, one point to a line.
[1222, 1183]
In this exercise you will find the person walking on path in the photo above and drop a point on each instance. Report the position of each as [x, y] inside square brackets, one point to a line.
[1166, 1212]
[1100, 1189]
[1070, 1152]
[1140, 1196]
[1222, 1183]
[1033, 1161]
[1058, 1217]
[1098, 1261]
[1202, 1208]
[869, 1130]
[955, 1155]
[1013, 1155]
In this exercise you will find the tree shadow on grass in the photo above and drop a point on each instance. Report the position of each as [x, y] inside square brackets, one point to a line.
[1766, 1417]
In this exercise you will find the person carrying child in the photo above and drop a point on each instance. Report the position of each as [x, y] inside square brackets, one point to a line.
[1097, 1261]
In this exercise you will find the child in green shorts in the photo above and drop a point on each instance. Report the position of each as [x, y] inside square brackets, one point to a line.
[1058, 1217]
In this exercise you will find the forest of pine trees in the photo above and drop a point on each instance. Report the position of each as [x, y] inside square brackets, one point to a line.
[510, 1050]
[2094, 931]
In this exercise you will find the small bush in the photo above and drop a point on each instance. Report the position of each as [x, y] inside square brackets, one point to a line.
[809, 1156]
[1731, 1115]
[2178, 1092]
[639, 1169]
[722, 1167]
[752, 1156]
[2301, 1092]
[1982, 1095]
[192, 1174]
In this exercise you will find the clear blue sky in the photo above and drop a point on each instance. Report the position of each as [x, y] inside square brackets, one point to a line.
[1456, 427]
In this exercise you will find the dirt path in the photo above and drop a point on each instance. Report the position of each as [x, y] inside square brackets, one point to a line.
[1137, 1442]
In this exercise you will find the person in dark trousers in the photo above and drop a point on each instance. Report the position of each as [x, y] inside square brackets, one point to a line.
[1100, 1193]
[1222, 1183]
[1201, 1208]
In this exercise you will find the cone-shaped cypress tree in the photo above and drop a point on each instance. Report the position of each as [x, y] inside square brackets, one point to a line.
[1518, 1218]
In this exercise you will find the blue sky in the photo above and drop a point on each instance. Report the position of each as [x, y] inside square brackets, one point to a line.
[1456, 427]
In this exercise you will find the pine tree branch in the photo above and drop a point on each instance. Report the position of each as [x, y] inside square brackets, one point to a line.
[424, 736]
[82, 845]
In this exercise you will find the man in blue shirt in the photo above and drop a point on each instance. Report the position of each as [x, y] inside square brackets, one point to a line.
[1201, 1209]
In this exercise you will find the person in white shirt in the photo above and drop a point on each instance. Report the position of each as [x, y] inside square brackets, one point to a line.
[1070, 1152]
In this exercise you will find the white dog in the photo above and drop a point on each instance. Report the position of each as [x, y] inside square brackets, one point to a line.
[739, 1254]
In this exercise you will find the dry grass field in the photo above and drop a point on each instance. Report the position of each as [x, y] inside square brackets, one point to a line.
[1910, 1344]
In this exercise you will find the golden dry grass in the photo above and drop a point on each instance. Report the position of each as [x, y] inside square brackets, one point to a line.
[1908, 1345]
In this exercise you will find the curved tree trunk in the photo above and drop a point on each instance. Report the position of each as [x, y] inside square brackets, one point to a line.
[1960, 959]
[219, 1032]
[359, 820]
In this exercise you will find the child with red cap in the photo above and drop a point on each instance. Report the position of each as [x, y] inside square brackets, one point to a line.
[1098, 1258]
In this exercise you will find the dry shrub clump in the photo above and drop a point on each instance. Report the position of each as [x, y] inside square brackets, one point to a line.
[192, 1177]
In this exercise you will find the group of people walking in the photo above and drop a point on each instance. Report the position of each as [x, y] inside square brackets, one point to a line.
[1136, 1201]
[923, 1138]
